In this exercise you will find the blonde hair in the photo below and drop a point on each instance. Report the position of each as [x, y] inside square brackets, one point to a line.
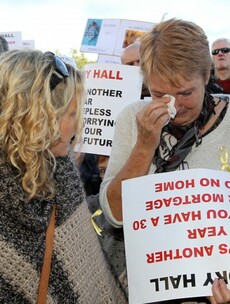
[174, 50]
[30, 113]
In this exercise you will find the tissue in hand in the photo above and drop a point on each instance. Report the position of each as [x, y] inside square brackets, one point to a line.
[171, 107]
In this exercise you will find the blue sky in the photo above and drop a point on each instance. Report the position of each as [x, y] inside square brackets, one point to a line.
[55, 24]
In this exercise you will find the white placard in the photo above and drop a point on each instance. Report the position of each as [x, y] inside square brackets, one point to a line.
[177, 230]
[111, 36]
[100, 36]
[109, 59]
[130, 31]
[110, 87]
[14, 39]
[28, 44]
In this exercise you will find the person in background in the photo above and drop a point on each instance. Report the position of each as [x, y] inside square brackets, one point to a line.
[4, 47]
[89, 173]
[212, 85]
[221, 61]
[131, 56]
[41, 101]
[102, 163]
[147, 139]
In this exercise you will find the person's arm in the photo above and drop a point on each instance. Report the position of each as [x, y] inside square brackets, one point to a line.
[138, 164]
[220, 291]
[150, 121]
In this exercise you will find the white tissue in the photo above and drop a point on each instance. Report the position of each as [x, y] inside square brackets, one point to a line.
[171, 107]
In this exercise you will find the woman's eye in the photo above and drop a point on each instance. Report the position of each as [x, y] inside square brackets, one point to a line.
[187, 93]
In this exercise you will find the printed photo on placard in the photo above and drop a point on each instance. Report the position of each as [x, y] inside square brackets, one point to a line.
[92, 32]
[131, 37]
[130, 31]
[100, 36]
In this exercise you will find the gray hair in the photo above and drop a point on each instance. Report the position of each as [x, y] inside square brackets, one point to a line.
[221, 40]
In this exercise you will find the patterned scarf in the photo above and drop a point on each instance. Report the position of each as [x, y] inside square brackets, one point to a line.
[173, 150]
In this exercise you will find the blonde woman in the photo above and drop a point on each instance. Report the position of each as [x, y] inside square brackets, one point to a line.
[40, 113]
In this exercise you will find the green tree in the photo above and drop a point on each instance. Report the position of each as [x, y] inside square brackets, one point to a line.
[80, 58]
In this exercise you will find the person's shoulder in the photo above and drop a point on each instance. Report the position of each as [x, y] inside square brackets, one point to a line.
[141, 103]
[9, 176]
[5, 168]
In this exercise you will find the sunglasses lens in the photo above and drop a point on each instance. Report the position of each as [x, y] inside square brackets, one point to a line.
[225, 50]
[61, 70]
[60, 67]
[222, 50]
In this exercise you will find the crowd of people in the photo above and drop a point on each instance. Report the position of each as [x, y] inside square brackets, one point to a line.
[41, 101]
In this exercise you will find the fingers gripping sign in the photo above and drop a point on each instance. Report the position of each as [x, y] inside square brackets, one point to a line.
[221, 293]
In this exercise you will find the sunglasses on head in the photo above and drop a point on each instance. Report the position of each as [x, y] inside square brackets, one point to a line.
[60, 72]
[224, 50]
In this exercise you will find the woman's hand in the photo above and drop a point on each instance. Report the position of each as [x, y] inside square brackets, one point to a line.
[150, 121]
[220, 291]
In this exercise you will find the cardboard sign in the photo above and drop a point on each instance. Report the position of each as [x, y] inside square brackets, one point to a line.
[176, 233]
[110, 87]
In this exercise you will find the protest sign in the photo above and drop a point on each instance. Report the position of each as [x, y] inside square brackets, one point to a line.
[111, 36]
[14, 39]
[109, 59]
[130, 31]
[177, 230]
[100, 36]
[110, 87]
[28, 44]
